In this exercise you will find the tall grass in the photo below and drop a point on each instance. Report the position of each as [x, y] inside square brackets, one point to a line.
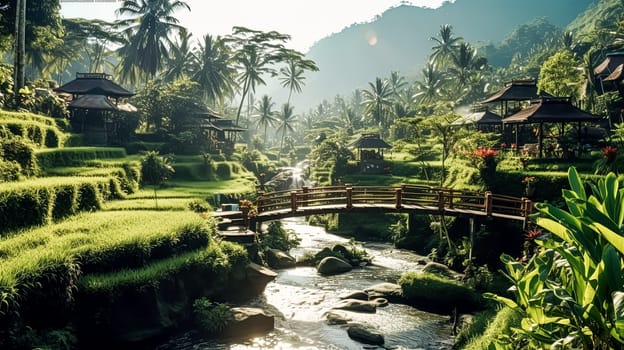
[77, 156]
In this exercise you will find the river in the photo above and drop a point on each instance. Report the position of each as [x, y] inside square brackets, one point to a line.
[299, 298]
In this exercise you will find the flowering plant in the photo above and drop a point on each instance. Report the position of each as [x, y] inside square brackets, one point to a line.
[245, 204]
[610, 153]
[485, 153]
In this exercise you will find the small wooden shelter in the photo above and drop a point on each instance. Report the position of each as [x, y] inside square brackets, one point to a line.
[220, 131]
[370, 153]
[550, 110]
[94, 97]
[482, 118]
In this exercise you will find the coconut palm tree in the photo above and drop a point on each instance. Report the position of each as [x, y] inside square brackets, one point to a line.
[213, 68]
[256, 52]
[446, 44]
[464, 63]
[292, 75]
[20, 49]
[429, 88]
[265, 114]
[180, 57]
[377, 101]
[286, 120]
[148, 25]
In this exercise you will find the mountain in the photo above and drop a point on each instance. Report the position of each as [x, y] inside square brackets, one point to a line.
[398, 40]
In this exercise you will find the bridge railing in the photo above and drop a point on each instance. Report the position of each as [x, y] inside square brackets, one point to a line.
[439, 199]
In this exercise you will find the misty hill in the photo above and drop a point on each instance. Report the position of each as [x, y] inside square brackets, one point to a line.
[398, 40]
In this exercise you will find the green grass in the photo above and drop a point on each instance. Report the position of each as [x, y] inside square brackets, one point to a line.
[498, 327]
[212, 258]
[148, 204]
[428, 290]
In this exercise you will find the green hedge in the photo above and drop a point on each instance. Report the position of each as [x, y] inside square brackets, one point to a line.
[38, 133]
[76, 156]
[40, 267]
[38, 202]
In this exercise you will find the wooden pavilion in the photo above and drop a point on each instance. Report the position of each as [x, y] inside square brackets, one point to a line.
[516, 91]
[94, 98]
[608, 73]
[221, 132]
[370, 153]
[482, 119]
[550, 111]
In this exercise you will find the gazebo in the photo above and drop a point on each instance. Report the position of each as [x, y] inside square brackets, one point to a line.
[220, 131]
[517, 91]
[482, 118]
[94, 96]
[370, 154]
[608, 72]
[550, 110]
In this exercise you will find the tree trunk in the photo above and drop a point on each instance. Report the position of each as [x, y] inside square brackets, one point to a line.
[20, 49]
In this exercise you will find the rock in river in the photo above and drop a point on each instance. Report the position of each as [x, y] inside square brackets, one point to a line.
[333, 266]
[364, 335]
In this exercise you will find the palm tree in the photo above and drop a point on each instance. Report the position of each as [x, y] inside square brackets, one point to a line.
[180, 57]
[265, 114]
[255, 53]
[286, 121]
[147, 29]
[377, 101]
[446, 44]
[20, 49]
[213, 68]
[292, 75]
[429, 89]
[464, 63]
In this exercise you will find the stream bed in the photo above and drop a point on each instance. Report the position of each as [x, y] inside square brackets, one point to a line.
[300, 297]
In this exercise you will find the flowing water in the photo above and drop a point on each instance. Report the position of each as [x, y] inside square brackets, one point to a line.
[299, 297]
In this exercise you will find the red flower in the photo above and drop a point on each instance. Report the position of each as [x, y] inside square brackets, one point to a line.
[610, 152]
[485, 153]
[513, 145]
[533, 234]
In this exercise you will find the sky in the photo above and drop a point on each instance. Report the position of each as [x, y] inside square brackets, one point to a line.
[306, 21]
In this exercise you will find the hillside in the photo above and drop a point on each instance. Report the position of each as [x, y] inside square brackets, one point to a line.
[398, 40]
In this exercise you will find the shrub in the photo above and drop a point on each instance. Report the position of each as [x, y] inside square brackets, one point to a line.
[212, 318]
[77, 156]
[18, 150]
[431, 291]
[223, 170]
[9, 171]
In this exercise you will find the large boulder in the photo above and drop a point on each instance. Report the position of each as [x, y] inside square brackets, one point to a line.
[365, 335]
[334, 318]
[332, 266]
[257, 278]
[278, 259]
[249, 322]
[360, 295]
[357, 305]
[389, 291]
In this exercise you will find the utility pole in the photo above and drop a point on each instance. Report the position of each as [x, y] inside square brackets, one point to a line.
[20, 49]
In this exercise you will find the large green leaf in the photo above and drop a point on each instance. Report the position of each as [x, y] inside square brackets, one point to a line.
[575, 183]
[506, 301]
[614, 238]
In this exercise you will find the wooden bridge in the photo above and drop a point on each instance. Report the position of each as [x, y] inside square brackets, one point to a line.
[404, 199]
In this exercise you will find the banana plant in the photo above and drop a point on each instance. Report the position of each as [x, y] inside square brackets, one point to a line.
[571, 293]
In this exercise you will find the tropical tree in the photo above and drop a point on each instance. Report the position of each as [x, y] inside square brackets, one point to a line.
[180, 57]
[265, 114]
[446, 44]
[445, 134]
[155, 171]
[292, 75]
[213, 68]
[147, 28]
[378, 101]
[286, 120]
[429, 88]
[465, 63]
[560, 75]
[255, 53]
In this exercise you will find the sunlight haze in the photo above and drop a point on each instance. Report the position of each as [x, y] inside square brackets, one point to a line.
[305, 21]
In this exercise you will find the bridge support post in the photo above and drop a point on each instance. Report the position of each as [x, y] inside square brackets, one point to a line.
[398, 198]
[441, 202]
[293, 201]
[488, 203]
[471, 228]
[349, 194]
[526, 209]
